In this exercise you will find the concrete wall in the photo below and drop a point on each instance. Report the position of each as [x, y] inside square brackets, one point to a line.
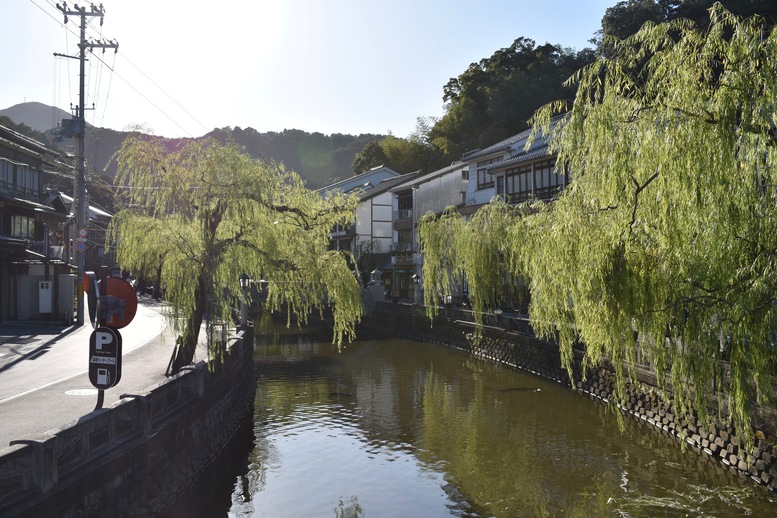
[520, 349]
[136, 457]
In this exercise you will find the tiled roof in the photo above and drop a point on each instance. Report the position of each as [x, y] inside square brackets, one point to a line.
[388, 184]
[8, 239]
[499, 146]
[445, 170]
[524, 157]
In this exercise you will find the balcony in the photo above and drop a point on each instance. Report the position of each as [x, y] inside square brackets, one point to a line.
[403, 259]
[342, 231]
[403, 214]
[403, 246]
[541, 194]
[39, 247]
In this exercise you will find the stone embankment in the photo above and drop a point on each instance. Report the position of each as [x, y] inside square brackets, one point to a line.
[138, 456]
[511, 342]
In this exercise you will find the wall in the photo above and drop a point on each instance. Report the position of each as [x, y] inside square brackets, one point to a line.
[520, 349]
[136, 457]
[438, 193]
[374, 222]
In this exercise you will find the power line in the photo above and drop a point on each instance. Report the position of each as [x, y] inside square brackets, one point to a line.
[113, 71]
[164, 92]
[144, 97]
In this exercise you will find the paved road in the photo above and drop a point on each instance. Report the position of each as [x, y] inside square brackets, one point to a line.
[44, 383]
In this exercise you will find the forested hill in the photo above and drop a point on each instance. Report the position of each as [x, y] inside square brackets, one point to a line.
[320, 159]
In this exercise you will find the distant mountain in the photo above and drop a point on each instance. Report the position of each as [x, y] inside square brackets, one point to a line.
[319, 159]
[37, 116]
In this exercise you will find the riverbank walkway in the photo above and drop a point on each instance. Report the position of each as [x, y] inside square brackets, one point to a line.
[44, 382]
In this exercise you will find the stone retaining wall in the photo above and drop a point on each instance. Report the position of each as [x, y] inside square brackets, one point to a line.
[524, 351]
[138, 456]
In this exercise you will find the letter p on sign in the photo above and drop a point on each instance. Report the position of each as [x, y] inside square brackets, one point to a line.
[102, 338]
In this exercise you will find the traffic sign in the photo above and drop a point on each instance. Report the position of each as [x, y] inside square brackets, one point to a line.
[119, 304]
[104, 358]
[81, 247]
[82, 232]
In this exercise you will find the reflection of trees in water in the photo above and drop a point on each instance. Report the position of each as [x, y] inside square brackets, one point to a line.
[507, 442]
[349, 509]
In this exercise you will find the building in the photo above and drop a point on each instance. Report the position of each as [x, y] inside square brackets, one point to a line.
[530, 174]
[432, 192]
[36, 273]
[369, 238]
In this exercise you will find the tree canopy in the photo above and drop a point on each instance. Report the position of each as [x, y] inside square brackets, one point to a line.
[496, 97]
[626, 17]
[401, 155]
[669, 227]
[207, 213]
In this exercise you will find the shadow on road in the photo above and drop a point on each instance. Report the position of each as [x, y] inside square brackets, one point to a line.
[42, 349]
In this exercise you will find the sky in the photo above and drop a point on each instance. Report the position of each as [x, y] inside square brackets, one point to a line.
[184, 68]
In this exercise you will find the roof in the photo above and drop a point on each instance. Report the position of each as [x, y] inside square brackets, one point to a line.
[14, 137]
[389, 183]
[522, 158]
[94, 212]
[509, 143]
[503, 145]
[440, 172]
[10, 240]
[33, 205]
[366, 180]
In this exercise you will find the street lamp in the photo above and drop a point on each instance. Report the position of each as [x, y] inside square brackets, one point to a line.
[245, 282]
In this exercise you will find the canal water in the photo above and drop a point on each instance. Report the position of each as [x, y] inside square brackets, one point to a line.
[398, 428]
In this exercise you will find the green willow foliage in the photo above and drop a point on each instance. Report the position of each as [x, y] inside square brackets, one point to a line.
[668, 230]
[207, 213]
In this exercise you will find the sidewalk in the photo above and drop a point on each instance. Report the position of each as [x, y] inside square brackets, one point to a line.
[44, 383]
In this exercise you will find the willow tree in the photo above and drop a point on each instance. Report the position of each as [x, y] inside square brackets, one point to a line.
[669, 227]
[208, 213]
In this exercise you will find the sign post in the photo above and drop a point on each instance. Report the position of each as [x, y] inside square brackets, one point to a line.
[112, 305]
[104, 358]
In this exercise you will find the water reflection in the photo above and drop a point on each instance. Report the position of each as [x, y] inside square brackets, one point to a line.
[400, 428]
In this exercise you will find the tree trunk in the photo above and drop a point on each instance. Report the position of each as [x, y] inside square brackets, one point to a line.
[186, 343]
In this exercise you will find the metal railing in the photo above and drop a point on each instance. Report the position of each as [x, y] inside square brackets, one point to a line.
[403, 214]
[403, 246]
[39, 247]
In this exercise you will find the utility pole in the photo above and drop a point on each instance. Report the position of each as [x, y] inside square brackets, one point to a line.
[78, 125]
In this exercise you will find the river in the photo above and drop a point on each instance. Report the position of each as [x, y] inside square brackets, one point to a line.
[397, 428]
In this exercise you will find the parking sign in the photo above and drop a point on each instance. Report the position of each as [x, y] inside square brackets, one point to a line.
[104, 357]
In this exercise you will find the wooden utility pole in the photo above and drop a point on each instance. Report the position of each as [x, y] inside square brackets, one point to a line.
[78, 125]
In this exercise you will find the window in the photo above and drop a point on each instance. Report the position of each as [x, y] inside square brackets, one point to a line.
[404, 206]
[548, 180]
[541, 180]
[500, 184]
[19, 178]
[485, 178]
[6, 174]
[519, 183]
[405, 201]
[23, 226]
[27, 180]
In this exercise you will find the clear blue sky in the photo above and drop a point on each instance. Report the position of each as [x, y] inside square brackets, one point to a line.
[332, 66]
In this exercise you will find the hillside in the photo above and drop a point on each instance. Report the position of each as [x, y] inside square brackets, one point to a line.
[319, 159]
[37, 116]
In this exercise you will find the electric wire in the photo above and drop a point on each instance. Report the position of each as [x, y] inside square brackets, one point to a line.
[90, 30]
[164, 92]
[160, 110]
